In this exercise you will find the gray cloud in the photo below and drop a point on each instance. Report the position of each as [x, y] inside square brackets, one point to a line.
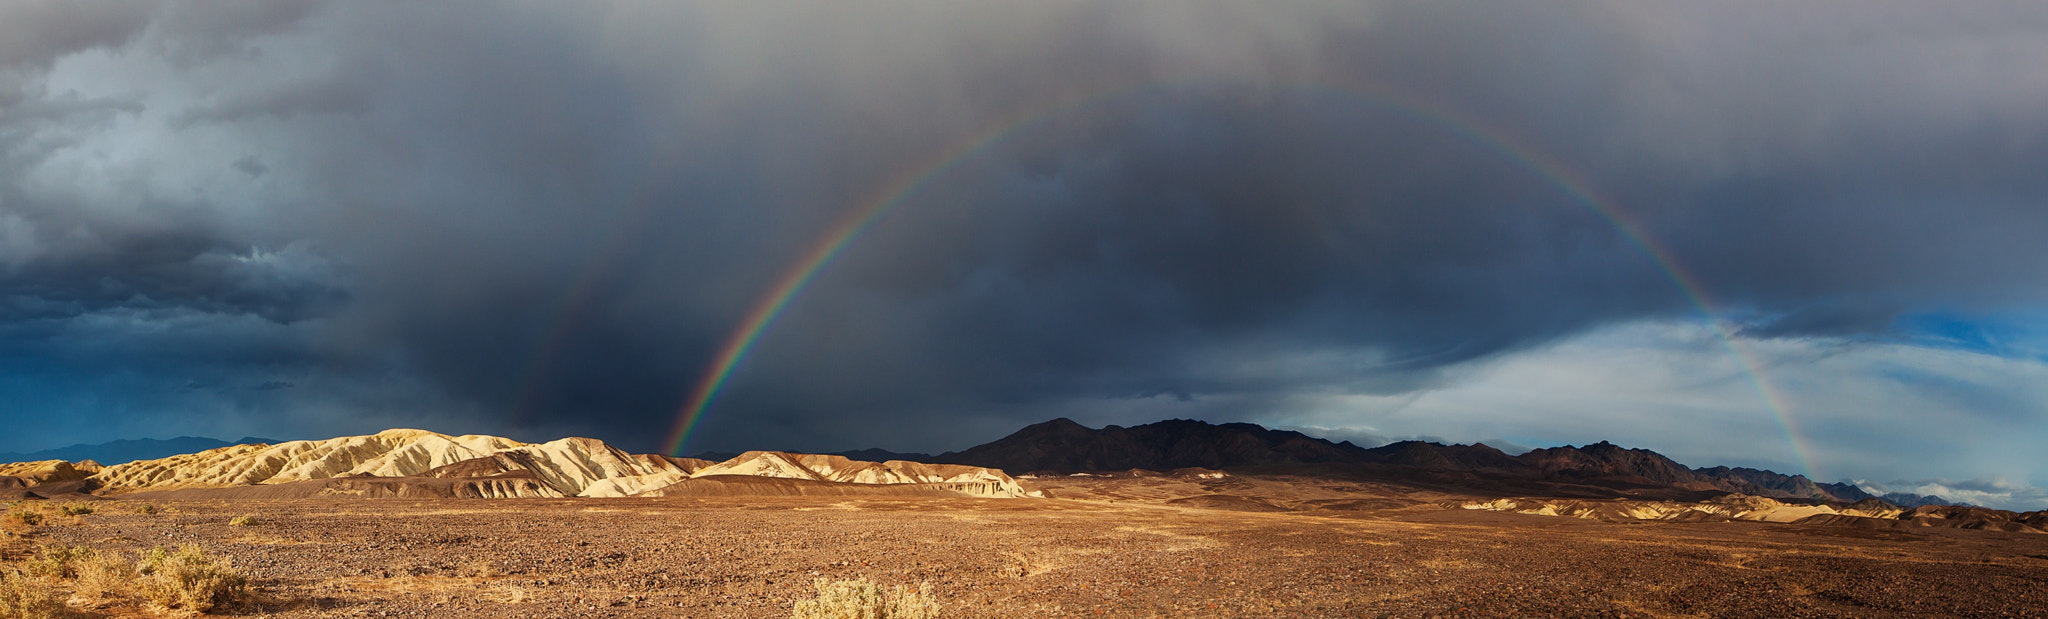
[545, 219]
[1997, 493]
[281, 103]
[251, 166]
[35, 34]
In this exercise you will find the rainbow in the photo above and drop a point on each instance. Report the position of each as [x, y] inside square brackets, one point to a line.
[916, 177]
[836, 239]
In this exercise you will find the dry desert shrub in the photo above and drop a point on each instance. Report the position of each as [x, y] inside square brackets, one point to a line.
[189, 578]
[28, 597]
[24, 517]
[242, 521]
[147, 509]
[863, 599]
[103, 577]
[57, 561]
[75, 509]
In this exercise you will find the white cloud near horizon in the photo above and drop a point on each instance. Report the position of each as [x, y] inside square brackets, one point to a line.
[1865, 410]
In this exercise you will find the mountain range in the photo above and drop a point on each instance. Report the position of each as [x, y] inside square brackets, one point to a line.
[1062, 446]
[130, 450]
[403, 462]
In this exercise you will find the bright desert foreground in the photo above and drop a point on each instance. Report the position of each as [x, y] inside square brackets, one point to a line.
[1125, 551]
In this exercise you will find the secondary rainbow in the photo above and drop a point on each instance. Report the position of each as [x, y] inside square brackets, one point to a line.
[894, 193]
[1583, 192]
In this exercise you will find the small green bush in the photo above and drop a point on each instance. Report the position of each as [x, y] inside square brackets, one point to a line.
[863, 599]
[28, 597]
[242, 521]
[191, 579]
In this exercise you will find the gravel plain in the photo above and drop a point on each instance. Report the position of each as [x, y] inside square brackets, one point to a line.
[754, 557]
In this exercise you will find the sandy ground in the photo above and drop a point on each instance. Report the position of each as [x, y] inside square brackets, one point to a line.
[753, 557]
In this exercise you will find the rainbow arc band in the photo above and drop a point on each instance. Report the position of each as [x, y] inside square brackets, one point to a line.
[894, 193]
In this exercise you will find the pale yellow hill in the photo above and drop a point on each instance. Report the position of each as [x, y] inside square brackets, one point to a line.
[46, 471]
[763, 464]
[501, 467]
[973, 480]
[1731, 507]
[589, 467]
[391, 453]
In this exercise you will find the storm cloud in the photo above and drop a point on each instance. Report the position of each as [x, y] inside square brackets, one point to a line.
[305, 219]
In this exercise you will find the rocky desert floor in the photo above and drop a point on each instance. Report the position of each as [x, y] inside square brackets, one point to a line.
[1115, 551]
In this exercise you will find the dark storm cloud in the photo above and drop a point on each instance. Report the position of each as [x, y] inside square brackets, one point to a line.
[539, 219]
[167, 256]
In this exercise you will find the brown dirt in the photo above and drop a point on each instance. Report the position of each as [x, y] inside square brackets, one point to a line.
[1125, 551]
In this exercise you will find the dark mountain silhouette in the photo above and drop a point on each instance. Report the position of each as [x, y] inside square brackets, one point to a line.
[1906, 499]
[1440, 457]
[1767, 483]
[1062, 446]
[130, 450]
[880, 455]
[1607, 460]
